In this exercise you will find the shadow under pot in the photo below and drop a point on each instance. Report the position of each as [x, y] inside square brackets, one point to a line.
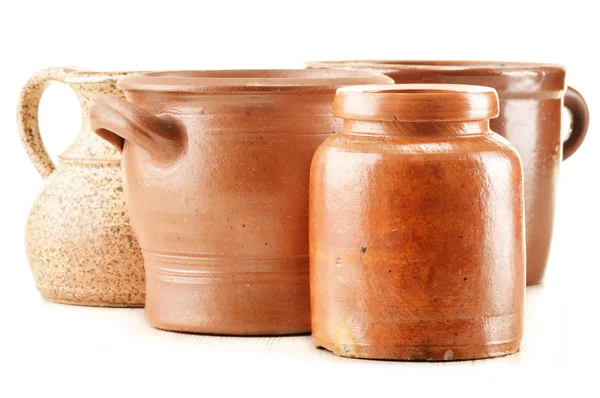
[531, 100]
[216, 168]
[417, 245]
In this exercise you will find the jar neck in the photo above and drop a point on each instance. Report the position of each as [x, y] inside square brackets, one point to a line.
[415, 129]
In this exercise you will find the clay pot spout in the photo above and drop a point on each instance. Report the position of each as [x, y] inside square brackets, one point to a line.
[116, 121]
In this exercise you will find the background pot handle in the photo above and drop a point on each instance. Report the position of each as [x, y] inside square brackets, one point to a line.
[116, 120]
[27, 117]
[581, 119]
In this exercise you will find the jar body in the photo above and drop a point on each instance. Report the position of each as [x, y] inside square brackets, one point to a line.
[417, 244]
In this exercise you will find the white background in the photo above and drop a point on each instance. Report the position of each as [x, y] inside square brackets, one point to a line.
[55, 350]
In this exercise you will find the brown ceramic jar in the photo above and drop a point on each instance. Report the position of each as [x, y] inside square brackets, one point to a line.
[416, 227]
[79, 242]
[216, 168]
[531, 100]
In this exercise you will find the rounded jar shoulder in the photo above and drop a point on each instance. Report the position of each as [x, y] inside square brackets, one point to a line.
[348, 149]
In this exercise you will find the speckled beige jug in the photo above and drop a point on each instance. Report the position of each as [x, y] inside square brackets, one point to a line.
[80, 246]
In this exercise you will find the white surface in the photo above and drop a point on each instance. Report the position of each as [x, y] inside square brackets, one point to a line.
[55, 350]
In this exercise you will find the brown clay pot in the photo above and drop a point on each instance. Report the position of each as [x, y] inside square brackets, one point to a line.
[216, 167]
[531, 100]
[79, 242]
[416, 227]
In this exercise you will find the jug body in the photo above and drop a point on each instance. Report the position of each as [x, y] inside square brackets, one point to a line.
[79, 242]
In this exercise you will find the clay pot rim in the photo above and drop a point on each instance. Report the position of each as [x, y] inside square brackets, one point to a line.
[458, 67]
[416, 103]
[249, 80]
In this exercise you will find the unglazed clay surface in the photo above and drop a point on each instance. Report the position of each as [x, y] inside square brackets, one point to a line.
[531, 100]
[217, 187]
[417, 227]
[80, 245]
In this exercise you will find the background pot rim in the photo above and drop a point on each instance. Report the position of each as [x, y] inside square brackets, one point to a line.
[510, 79]
[451, 66]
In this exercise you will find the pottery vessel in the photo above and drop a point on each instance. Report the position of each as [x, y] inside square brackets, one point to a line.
[417, 227]
[80, 245]
[531, 100]
[216, 167]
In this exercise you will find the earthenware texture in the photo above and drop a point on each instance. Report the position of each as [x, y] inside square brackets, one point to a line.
[417, 247]
[216, 167]
[531, 100]
[80, 245]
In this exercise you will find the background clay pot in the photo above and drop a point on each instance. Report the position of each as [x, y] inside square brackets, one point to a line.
[217, 188]
[416, 227]
[80, 246]
[531, 100]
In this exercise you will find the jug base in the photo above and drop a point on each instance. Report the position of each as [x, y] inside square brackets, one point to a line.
[89, 299]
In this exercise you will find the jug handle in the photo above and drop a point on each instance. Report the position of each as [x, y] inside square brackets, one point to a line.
[581, 119]
[27, 116]
[116, 121]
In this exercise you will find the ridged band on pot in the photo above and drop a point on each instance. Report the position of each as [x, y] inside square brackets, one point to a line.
[417, 245]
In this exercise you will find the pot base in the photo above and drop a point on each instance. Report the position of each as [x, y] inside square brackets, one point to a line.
[227, 296]
[224, 328]
[239, 332]
[407, 353]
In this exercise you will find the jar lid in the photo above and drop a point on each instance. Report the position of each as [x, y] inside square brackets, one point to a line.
[416, 103]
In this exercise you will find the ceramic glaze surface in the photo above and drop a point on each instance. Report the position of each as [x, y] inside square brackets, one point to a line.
[417, 227]
[531, 100]
[79, 242]
[217, 187]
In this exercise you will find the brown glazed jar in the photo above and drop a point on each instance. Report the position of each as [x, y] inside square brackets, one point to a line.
[531, 100]
[416, 227]
[216, 168]
[80, 245]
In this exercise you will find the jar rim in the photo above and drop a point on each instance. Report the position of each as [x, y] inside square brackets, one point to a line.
[416, 103]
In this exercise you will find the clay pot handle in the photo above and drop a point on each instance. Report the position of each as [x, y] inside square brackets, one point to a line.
[581, 119]
[116, 121]
[27, 117]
